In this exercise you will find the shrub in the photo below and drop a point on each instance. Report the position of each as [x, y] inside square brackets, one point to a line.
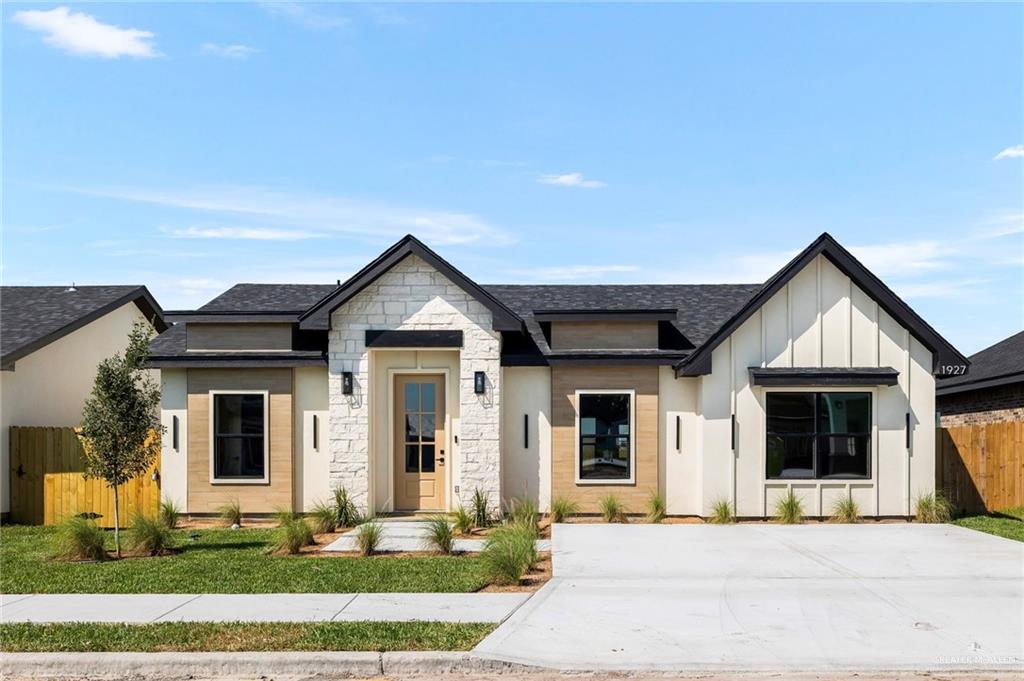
[789, 509]
[79, 539]
[612, 509]
[845, 510]
[347, 513]
[291, 535]
[324, 518]
[231, 513]
[508, 553]
[562, 508]
[284, 515]
[656, 508]
[368, 537]
[721, 512]
[440, 535]
[150, 537]
[169, 513]
[463, 521]
[523, 512]
[932, 508]
[481, 508]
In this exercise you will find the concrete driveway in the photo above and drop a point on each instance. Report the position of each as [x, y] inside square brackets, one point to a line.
[769, 597]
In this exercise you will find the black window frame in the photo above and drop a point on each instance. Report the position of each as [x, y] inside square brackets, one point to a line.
[818, 434]
[630, 478]
[216, 437]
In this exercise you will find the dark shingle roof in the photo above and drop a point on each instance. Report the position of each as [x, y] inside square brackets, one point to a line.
[1000, 361]
[295, 298]
[33, 316]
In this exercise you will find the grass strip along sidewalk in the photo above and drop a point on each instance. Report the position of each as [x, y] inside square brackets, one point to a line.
[220, 637]
[226, 561]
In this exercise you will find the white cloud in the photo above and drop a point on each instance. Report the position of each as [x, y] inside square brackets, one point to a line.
[323, 215]
[239, 52]
[1010, 152]
[253, 233]
[306, 16]
[81, 34]
[572, 272]
[570, 180]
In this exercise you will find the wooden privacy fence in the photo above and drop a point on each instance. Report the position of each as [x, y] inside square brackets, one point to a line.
[981, 467]
[48, 485]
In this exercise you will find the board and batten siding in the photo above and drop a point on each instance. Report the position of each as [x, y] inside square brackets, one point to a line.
[820, 319]
[203, 495]
[565, 381]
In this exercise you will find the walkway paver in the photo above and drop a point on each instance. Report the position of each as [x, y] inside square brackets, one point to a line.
[148, 608]
[400, 536]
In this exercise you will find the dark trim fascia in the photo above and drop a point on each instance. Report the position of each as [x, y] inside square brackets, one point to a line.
[637, 315]
[232, 317]
[413, 339]
[247, 361]
[981, 384]
[826, 376]
[943, 353]
[140, 296]
[523, 361]
[318, 316]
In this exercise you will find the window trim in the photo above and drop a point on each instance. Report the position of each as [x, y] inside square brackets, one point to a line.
[265, 480]
[632, 435]
[873, 435]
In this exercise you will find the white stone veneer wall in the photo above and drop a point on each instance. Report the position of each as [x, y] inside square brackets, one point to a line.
[415, 296]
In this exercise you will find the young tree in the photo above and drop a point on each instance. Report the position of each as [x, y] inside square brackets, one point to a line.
[121, 420]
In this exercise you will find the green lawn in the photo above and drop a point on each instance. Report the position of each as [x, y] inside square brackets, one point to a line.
[203, 636]
[225, 561]
[1008, 523]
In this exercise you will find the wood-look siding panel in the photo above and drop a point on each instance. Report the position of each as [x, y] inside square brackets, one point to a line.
[603, 335]
[565, 381]
[206, 497]
[238, 336]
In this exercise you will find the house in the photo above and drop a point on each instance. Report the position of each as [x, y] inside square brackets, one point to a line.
[412, 387]
[993, 391]
[51, 339]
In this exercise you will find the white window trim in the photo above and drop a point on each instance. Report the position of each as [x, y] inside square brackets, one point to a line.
[632, 436]
[266, 438]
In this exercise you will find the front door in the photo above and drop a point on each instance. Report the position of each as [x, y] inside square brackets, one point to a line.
[419, 443]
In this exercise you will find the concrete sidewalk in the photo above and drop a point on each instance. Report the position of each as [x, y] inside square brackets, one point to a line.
[149, 608]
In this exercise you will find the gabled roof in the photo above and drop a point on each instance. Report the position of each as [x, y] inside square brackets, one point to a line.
[943, 352]
[32, 317]
[319, 316]
[999, 364]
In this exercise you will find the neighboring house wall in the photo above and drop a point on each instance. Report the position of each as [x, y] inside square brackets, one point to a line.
[205, 496]
[312, 459]
[820, 319]
[526, 457]
[414, 296]
[987, 405]
[50, 386]
[565, 381]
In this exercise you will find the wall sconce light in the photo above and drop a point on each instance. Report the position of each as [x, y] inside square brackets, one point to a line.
[346, 382]
[479, 382]
[316, 432]
[174, 433]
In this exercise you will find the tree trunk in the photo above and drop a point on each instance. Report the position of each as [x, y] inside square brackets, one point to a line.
[117, 523]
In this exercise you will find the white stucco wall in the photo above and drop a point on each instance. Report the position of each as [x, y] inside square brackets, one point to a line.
[819, 319]
[526, 462]
[312, 459]
[174, 460]
[50, 386]
[413, 295]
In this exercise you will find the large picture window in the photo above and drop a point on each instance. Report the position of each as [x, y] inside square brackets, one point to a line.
[605, 431]
[818, 435]
[239, 437]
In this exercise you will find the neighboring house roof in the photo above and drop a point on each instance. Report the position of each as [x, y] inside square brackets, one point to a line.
[999, 364]
[944, 354]
[269, 298]
[318, 316]
[32, 317]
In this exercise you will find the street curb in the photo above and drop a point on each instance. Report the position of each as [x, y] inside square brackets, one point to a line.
[166, 666]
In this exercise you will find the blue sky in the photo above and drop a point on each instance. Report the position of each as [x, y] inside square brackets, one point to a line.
[193, 146]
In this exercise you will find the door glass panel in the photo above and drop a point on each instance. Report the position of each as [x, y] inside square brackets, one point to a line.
[412, 397]
[412, 459]
[412, 427]
[428, 459]
[427, 427]
[429, 398]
